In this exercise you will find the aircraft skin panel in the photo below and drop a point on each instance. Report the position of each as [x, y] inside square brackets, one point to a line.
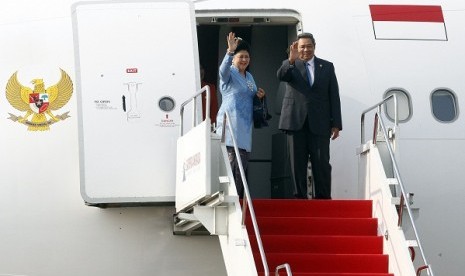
[91, 241]
[46, 228]
[434, 181]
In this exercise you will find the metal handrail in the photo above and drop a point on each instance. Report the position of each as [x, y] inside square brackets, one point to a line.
[378, 106]
[205, 89]
[421, 268]
[283, 266]
[396, 169]
[247, 199]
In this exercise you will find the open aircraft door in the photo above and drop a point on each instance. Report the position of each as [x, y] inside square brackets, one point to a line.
[136, 62]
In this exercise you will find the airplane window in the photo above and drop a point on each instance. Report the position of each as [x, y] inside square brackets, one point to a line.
[404, 105]
[444, 105]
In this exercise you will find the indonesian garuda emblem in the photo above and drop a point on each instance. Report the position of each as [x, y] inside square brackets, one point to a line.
[39, 102]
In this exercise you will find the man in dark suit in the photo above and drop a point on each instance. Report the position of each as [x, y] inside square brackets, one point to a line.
[310, 115]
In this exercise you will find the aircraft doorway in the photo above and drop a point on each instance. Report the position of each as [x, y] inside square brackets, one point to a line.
[267, 176]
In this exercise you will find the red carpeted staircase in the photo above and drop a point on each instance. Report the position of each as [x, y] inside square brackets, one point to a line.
[319, 237]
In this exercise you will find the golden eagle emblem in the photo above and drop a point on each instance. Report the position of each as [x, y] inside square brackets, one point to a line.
[38, 101]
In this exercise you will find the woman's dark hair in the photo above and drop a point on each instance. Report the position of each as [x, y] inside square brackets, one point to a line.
[242, 45]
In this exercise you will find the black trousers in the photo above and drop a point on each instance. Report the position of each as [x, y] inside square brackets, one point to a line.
[303, 144]
[244, 155]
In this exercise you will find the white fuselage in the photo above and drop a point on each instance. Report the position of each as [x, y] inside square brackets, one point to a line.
[46, 229]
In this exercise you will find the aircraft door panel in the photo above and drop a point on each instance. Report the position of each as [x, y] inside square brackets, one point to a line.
[136, 63]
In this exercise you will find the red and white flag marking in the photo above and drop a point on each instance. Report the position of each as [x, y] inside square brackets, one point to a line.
[413, 22]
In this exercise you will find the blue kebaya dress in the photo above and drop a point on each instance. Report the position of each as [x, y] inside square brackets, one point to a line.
[237, 94]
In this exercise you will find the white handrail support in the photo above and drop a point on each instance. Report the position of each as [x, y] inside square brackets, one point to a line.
[389, 140]
[247, 198]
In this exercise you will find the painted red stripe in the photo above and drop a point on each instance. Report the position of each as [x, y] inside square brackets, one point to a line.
[409, 13]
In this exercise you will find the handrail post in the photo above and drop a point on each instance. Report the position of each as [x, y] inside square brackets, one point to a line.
[283, 266]
[421, 268]
[378, 106]
[375, 128]
[362, 129]
[401, 210]
[205, 89]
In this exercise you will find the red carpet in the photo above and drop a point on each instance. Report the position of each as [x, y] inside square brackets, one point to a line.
[319, 237]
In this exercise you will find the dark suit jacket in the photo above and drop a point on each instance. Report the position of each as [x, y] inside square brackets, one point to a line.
[319, 103]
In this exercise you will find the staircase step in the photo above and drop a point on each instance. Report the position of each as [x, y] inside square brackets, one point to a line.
[320, 244]
[329, 274]
[327, 263]
[315, 226]
[319, 237]
[313, 208]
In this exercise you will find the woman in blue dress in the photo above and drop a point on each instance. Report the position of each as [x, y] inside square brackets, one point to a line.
[238, 89]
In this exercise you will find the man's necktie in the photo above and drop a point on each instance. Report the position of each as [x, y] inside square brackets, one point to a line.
[307, 66]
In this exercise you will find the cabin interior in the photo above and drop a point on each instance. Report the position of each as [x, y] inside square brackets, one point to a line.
[269, 39]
